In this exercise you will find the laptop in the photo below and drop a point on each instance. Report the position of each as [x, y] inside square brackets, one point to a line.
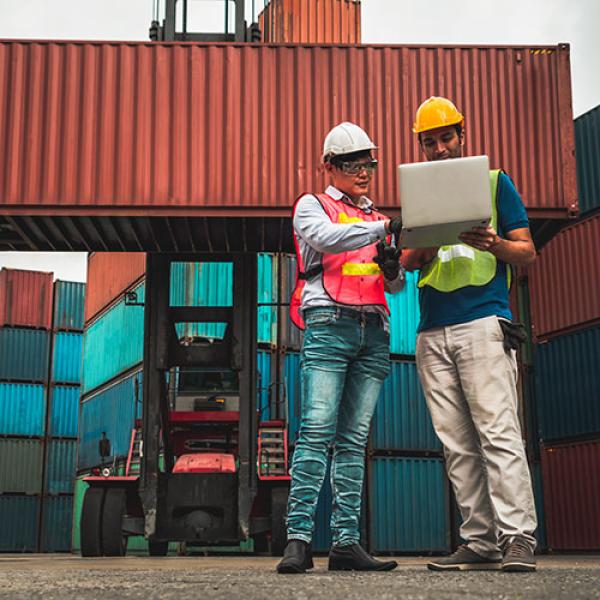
[441, 199]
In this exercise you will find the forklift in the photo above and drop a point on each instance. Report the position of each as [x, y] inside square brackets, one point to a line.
[203, 467]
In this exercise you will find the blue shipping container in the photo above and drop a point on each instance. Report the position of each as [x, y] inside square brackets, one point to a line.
[113, 343]
[24, 354]
[538, 492]
[64, 411]
[112, 411]
[67, 357]
[408, 505]
[567, 385]
[57, 522]
[405, 315]
[401, 420]
[19, 523]
[291, 387]
[587, 156]
[69, 298]
[22, 409]
[264, 385]
[60, 466]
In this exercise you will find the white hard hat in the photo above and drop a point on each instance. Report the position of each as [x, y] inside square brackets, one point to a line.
[346, 138]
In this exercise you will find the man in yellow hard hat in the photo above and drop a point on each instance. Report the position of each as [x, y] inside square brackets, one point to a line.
[466, 358]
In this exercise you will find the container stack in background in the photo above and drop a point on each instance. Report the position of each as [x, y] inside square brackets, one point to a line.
[564, 289]
[40, 364]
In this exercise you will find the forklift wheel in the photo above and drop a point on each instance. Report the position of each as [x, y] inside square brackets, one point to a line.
[279, 497]
[91, 522]
[114, 543]
[158, 548]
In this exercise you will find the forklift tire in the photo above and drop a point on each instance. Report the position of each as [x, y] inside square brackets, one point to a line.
[158, 548]
[114, 542]
[91, 522]
[279, 498]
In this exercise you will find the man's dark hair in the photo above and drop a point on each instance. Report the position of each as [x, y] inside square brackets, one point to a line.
[335, 160]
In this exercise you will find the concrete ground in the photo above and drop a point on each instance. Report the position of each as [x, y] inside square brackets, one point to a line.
[252, 578]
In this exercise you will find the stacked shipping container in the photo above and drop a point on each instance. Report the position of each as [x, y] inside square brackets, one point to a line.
[40, 364]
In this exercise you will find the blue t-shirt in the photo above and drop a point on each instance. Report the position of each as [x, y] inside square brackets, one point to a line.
[475, 302]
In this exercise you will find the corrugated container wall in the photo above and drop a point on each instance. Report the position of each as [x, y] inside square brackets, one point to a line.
[564, 282]
[69, 299]
[587, 153]
[21, 465]
[112, 411]
[25, 298]
[57, 519]
[113, 343]
[19, 523]
[109, 275]
[405, 315]
[67, 357]
[64, 411]
[22, 409]
[24, 354]
[314, 22]
[571, 479]
[105, 101]
[408, 505]
[567, 385]
[401, 420]
[60, 466]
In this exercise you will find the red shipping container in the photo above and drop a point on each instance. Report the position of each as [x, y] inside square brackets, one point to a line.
[26, 298]
[564, 282]
[314, 22]
[109, 275]
[168, 129]
[571, 482]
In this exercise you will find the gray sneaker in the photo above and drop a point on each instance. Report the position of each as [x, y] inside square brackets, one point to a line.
[518, 556]
[464, 559]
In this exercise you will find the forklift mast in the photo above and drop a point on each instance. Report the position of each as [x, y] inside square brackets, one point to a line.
[170, 30]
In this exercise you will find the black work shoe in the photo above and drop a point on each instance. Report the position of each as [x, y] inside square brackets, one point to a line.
[464, 559]
[518, 556]
[297, 557]
[355, 558]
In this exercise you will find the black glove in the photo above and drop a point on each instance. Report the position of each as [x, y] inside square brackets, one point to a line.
[395, 226]
[388, 259]
[514, 335]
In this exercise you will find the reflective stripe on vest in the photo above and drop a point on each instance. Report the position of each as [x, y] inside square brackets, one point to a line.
[350, 278]
[459, 265]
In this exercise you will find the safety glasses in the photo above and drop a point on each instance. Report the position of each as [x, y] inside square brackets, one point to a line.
[355, 167]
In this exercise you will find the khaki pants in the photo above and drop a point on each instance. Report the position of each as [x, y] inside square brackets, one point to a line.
[470, 386]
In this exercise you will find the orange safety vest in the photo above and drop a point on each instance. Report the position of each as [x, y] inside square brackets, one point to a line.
[351, 277]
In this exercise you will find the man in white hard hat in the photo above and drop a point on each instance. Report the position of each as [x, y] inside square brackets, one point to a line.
[344, 269]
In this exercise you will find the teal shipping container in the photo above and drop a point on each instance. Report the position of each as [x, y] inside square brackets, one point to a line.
[404, 317]
[64, 411]
[19, 523]
[22, 409]
[61, 459]
[587, 157]
[113, 343]
[57, 523]
[67, 357]
[112, 410]
[401, 420]
[24, 354]
[69, 299]
[321, 541]
[21, 465]
[567, 385]
[264, 385]
[408, 505]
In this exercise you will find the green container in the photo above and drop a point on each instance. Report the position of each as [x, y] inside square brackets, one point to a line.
[21, 465]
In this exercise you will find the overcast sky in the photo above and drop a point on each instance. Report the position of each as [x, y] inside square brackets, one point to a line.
[526, 22]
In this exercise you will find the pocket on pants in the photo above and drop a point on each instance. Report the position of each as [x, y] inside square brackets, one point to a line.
[316, 318]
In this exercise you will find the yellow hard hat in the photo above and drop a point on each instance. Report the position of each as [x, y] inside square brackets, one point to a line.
[436, 112]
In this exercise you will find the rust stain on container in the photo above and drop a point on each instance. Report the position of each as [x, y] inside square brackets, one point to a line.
[122, 128]
[564, 282]
[312, 22]
[571, 481]
[109, 275]
[26, 298]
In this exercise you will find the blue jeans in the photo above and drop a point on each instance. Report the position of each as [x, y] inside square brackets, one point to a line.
[343, 363]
